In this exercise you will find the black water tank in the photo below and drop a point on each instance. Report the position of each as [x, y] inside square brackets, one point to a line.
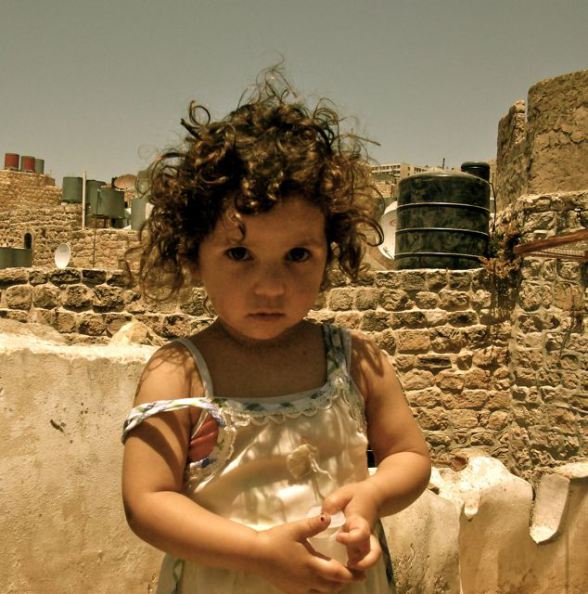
[442, 220]
[477, 168]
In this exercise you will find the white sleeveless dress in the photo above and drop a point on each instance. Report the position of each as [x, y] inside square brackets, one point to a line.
[274, 459]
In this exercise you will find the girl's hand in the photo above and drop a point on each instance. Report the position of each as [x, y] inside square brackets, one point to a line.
[360, 509]
[289, 563]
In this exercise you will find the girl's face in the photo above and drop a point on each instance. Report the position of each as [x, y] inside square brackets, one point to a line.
[264, 283]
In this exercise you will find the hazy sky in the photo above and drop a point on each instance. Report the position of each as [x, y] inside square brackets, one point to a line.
[101, 85]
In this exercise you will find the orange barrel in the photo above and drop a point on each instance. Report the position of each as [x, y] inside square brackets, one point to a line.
[11, 161]
[27, 163]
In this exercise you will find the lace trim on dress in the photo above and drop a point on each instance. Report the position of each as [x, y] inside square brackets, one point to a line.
[231, 413]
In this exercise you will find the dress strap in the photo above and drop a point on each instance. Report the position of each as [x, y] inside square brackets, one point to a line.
[200, 365]
[148, 409]
[338, 344]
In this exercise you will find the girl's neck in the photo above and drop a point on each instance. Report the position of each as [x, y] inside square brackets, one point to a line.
[235, 339]
[241, 368]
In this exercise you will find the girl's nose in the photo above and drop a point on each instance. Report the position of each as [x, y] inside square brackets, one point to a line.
[270, 282]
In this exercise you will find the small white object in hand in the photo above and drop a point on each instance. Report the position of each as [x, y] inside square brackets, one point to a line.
[325, 542]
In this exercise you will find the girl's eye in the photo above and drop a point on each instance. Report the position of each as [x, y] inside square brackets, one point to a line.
[238, 254]
[298, 255]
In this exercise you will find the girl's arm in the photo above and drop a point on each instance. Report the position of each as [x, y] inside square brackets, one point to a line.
[401, 452]
[155, 457]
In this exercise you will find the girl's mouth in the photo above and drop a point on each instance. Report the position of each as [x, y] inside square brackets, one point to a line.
[268, 316]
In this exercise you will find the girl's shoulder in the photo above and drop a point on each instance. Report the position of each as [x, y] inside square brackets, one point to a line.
[367, 361]
[170, 374]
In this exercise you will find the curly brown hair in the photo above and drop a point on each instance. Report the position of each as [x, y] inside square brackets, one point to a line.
[270, 147]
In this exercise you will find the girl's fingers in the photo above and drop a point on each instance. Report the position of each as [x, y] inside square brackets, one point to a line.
[366, 558]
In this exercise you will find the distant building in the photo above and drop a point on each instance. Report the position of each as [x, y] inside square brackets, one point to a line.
[394, 172]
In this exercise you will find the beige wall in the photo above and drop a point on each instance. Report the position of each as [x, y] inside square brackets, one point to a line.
[61, 517]
[63, 527]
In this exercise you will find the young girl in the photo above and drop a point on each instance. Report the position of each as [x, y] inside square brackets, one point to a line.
[247, 437]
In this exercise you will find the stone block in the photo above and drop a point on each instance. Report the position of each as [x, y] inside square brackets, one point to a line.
[490, 357]
[394, 300]
[387, 279]
[38, 277]
[348, 319]
[19, 297]
[375, 321]
[498, 420]
[46, 296]
[451, 300]
[568, 296]
[13, 276]
[92, 324]
[65, 322]
[412, 341]
[434, 362]
[459, 279]
[108, 298]
[67, 276]
[462, 318]
[115, 321]
[499, 400]
[476, 378]
[446, 339]
[481, 299]
[462, 418]
[405, 362]
[436, 280]
[433, 419]
[119, 278]
[417, 379]
[195, 305]
[436, 317]
[93, 276]
[386, 341]
[175, 325]
[15, 314]
[78, 297]
[426, 300]
[43, 316]
[426, 398]
[340, 299]
[412, 280]
[366, 299]
[409, 319]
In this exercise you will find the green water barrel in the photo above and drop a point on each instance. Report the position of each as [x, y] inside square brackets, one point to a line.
[442, 221]
[39, 166]
[92, 187]
[138, 212]
[110, 204]
[15, 257]
[72, 189]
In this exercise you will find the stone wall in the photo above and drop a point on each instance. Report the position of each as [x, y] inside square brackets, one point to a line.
[545, 150]
[483, 364]
[549, 343]
[31, 203]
